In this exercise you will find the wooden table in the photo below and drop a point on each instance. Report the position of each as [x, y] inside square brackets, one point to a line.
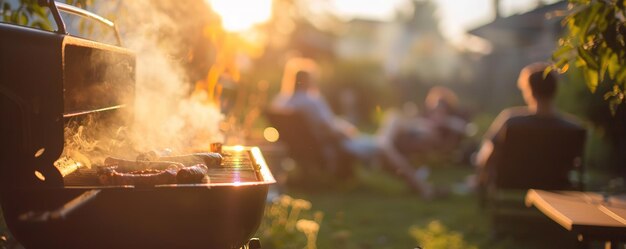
[588, 214]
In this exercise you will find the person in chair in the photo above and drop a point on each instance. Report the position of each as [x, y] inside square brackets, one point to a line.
[333, 130]
[538, 93]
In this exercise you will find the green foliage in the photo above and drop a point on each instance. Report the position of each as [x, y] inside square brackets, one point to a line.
[29, 13]
[436, 236]
[87, 27]
[26, 13]
[595, 42]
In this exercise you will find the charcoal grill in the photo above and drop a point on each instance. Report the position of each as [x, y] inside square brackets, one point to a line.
[50, 78]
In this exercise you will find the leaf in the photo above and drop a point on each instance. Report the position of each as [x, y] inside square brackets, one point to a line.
[42, 25]
[613, 106]
[615, 98]
[590, 16]
[564, 69]
[610, 94]
[600, 21]
[573, 28]
[22, 19]
[613, 66]
[591, 78]
[604, 61]
[41, 12]
[562, 51]
[547, 71]
[589, 60]
[621, 75]
[580, 63]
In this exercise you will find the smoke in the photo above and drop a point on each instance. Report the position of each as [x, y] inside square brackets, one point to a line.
[166, 115]
[166, 112]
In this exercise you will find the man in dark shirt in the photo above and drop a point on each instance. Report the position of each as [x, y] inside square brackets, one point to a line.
[538, 92]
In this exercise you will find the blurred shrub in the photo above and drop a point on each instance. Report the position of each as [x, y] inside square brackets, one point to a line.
[362, 78]
[607, 132]
[436, 236]
[25, 13]
[594, 43]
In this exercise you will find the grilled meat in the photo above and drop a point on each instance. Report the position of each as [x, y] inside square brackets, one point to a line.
[124, 165]
[193, 174]
[151, 177]
[209, 159]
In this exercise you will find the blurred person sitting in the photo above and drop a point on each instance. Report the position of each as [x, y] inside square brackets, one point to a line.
[439, 129]
[538, 93]
[307, 100]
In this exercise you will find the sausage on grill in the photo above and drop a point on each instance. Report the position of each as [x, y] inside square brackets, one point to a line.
[110, 175]
[150, 177]
[124, 165]
[193, 174]
[209, 159]
[166, 170]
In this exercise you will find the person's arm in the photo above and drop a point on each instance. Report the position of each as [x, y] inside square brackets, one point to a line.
[484, 153]
[492, 141]
[486, 157]
[338, 127]
[323, 116]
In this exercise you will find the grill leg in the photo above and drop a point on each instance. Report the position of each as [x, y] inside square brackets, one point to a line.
[253, 243]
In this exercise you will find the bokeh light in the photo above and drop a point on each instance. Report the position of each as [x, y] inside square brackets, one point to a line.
[271, 134]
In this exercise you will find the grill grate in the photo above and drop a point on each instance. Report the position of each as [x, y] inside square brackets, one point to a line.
[82, 177]
[236, 167]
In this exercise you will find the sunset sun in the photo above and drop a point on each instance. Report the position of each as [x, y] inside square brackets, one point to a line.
[240, 15]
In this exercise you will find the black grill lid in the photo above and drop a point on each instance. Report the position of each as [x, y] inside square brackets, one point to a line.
[47, 78]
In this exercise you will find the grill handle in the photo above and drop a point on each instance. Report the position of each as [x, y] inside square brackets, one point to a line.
[55, 7]
[62, 212]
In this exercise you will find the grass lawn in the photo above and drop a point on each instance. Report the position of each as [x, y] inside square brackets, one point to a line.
[377, 211]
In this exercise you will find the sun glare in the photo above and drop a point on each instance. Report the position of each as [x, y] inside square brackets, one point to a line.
[240, 15]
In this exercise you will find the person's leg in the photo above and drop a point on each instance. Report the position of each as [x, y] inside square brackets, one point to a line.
[399, 165]
[370, 149]
[362, 147]
[389, 127]
[407, 136]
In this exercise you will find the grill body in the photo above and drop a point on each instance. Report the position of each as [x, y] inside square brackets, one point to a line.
[164, 217]
[48, 78]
